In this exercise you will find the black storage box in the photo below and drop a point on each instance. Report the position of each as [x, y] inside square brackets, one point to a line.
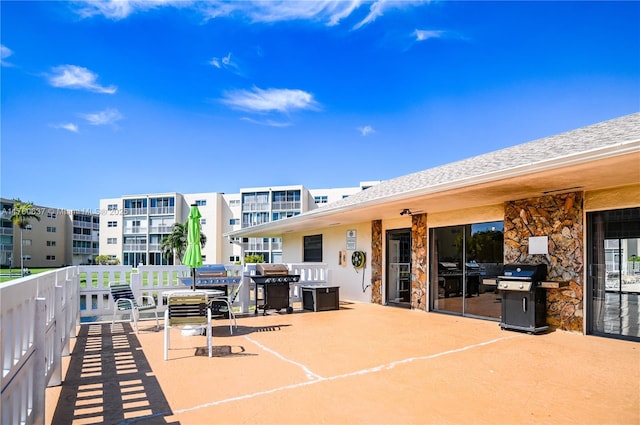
[320, 297]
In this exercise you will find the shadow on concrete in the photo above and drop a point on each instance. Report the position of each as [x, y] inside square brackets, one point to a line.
[109, 380]
[222, 331]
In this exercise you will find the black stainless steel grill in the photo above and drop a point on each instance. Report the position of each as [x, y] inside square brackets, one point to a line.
[274, 279]
[524, 301]
[212, 276]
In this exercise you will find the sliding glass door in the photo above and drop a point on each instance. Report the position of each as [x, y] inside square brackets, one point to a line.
[614, 273]
[398, 289]
[465, 260]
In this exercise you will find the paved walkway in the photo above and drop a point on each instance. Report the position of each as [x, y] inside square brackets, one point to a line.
[363, 364]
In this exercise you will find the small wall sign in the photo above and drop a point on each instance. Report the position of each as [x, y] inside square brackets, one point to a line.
[351, 239]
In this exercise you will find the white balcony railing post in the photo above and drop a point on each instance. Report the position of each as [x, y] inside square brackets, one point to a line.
[58, 335]
[39, 362]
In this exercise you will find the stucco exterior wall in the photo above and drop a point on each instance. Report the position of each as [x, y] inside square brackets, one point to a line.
[466, 216]
[616, 198]
[343, 274]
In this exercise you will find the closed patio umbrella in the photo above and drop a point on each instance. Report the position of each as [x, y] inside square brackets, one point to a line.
[193, 255]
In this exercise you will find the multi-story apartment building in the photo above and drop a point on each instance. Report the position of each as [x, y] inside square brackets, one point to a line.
[134, 226]
[58, 238]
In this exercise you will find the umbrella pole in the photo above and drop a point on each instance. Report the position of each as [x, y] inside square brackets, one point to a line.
[193, 278]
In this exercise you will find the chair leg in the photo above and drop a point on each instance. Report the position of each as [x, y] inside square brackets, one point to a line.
[134, 318]
[113, 318]
[232, 320]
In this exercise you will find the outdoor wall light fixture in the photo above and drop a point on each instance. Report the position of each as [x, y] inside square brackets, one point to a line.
[406, 211]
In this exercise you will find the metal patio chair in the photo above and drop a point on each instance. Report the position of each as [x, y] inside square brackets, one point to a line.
[125, 302]
[188, 308]
[224, 306]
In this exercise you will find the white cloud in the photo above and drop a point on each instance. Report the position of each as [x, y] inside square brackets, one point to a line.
[5, 52]
[77, 77]
[380, 7]
[259, 100]
[120, 9]
[268, 123]
[330, 12]
[68, 126]
[422, 35]
[108, 116]
[366, 130]
[227, 63]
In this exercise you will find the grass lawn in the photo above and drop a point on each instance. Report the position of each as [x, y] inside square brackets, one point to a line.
[4, 273]
[97, 280]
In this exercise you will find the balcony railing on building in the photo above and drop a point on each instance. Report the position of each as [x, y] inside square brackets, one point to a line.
[286, 205]
[255, 206]
[161, 229]
[85, 224]
[134, 247]
[135, 230]
[162, 210]
[135, 211]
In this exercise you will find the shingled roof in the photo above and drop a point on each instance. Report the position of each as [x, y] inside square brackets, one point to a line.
[572, 143]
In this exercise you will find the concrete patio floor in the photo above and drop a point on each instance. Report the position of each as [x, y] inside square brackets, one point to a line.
[362, 364]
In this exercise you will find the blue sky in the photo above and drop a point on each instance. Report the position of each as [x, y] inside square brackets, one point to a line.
[104, 99]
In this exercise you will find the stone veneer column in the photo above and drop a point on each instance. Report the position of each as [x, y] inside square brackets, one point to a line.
[419, 261]
[376, 261]
[560, 217]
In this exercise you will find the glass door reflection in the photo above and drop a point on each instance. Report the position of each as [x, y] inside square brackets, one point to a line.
[465, 260]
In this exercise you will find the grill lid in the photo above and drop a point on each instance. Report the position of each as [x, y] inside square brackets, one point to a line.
[534, 272]
[267, 269]
[211, 270]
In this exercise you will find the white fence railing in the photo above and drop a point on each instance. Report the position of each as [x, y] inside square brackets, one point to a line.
[96, 303]
[39, 315]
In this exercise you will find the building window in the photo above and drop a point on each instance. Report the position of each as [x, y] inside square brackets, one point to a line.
[51, 257]
[284, 214]
[51, 229]
[312, 249]
[201, 202]
[27, 242]
[234, 258]
[203, 221]
[51, 214]
[321, 199]
[234, 202]
[234, 221]
[112, 224]
[162, 202]
[112, 207]
[51, 243]
[28, 227]
[112, 241]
